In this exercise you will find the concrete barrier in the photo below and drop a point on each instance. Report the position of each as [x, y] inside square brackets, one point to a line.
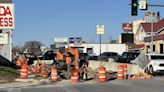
[110, 65]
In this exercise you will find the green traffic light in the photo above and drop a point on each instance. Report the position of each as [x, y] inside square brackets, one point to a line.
[134, 4]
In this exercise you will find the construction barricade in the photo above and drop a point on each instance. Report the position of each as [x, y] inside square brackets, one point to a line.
[54, 74]
[125, 70]
[74, 76]
[102, 74]
[120, 72]
[24, 71]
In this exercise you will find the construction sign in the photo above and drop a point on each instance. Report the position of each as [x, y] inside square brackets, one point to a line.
[6, 16]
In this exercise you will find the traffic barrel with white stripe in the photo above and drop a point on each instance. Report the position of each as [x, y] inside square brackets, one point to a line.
[54, 74]
[24, 71]
[120, 72]
[102, 74]
[125, 70]
[74, 75]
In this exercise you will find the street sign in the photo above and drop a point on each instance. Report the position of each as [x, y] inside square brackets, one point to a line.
[143, 5]
[99, 29]
[6, 16]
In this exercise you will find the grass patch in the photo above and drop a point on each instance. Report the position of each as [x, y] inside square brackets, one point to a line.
[8, 74]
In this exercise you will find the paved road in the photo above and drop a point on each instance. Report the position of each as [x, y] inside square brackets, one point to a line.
[149, 85]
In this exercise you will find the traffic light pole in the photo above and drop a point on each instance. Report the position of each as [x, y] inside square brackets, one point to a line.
[154, 5]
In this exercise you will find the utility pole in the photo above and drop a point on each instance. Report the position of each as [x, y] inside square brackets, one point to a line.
[151, 47]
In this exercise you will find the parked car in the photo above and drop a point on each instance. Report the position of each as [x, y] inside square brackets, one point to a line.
[126, 57]
[93, 57]
[156, 64]
[106, 55]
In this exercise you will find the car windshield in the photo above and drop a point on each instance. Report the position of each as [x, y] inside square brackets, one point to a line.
[157, 57]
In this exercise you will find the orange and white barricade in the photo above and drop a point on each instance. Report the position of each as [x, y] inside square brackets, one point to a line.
[120, 72]
[74, 75]
[54, 74]
[102, 74]
[24, 71]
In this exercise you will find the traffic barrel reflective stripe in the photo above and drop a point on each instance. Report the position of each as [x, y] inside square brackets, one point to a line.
[24, 71]
[125, 70]
[74, 75]
[54, 74]
[120, 72]
[102, 74]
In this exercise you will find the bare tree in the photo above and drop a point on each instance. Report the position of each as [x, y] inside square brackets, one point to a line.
[33, 46]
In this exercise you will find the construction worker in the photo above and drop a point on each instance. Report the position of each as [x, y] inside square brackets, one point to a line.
[60, 60]
[68, 62]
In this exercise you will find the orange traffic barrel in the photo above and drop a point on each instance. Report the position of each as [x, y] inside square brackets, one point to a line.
[54, 74]
[102, 74]
[74, 75]
[24, 71]
[120, 72]
[125, 70]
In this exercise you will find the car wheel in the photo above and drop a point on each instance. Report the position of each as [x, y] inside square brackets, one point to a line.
[151, 70]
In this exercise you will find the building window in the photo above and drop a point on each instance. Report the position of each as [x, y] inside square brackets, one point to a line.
[153, 48]
[161, 48]
[148, 49]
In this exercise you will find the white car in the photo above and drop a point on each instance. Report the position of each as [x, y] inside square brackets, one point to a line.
[156, 64]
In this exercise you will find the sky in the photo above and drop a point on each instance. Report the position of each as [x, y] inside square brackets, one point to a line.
[43, 20]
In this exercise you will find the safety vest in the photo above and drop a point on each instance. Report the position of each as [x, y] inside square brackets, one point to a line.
[59, 56]
[68, 60]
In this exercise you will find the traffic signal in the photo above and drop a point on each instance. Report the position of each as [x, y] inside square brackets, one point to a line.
[134, 8]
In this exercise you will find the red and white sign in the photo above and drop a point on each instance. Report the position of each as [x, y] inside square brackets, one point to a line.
[6, 16]
[127, 27]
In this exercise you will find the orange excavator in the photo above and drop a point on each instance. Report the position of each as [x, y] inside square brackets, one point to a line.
[70, 58]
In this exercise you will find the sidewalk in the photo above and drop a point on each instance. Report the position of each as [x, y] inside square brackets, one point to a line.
[23, 83]
[34, 82]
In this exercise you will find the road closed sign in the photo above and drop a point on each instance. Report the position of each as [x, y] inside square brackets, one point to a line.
[6, 16]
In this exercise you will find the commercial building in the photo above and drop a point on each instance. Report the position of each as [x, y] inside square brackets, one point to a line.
[90, 48]
[149, 34]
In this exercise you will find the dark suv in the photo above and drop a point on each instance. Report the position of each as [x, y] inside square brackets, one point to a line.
[126, 57]
[106, 55]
